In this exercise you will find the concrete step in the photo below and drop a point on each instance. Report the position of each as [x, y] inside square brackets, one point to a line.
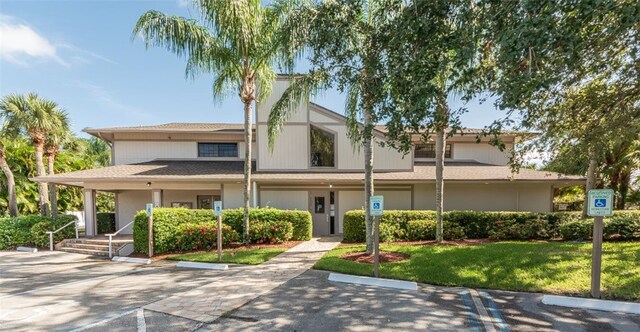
[103, 247]
[86, 251]
[115, 242]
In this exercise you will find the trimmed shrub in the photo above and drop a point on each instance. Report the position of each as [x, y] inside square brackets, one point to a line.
[300, 220]
[622, 227]
[577, 230]
[106, 222]
[167, 225]
[203, 237]
[39, 231]
[270, 231]
[416, 225]
[513, 229]
[421, 230]
[31, 230]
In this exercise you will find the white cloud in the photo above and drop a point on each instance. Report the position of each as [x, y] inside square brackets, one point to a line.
[20, 43]
[18, 39]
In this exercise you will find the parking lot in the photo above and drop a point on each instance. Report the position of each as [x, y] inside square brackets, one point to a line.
[68, 292]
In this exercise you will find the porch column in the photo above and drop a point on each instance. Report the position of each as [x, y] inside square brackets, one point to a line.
[156, 198]
[90, 226]
[254, 192]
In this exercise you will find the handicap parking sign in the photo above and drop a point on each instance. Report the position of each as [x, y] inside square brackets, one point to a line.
[217, 208]
[600, 202]
[377, 205]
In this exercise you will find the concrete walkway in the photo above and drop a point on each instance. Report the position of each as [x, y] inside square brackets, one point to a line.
[243, 284]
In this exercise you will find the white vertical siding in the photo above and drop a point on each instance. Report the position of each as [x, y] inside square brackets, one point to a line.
[232, 195]
[288, 200]
[486, 197]
[395, 199]
[481, 152]
[348, 200]
[263, 108]
[291, 149]
[129, 152]
[241, 150]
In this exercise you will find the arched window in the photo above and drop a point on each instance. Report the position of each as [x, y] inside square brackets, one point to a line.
[322, 148]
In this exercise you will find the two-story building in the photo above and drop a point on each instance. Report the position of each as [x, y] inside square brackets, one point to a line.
[312, 167]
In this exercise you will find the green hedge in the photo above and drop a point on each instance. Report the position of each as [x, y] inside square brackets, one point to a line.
[203, 236]
[106, 222]
[167, 225]
[300, 220]
[411, 225]
[32, 230]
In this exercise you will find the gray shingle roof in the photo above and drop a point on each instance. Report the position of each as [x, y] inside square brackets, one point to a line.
[195, 170]
[175, 127]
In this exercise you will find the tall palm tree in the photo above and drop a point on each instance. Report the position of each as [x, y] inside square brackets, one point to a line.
[238, 42]
[12, 201]
[54, 141]
[36, 117]
[342, 39]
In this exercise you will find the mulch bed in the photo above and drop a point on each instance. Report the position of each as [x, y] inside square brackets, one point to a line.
[385, 257]
[230, 247]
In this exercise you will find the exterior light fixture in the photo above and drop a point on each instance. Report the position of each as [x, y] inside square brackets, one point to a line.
[148, 184]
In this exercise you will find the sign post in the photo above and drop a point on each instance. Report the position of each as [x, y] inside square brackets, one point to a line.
[376, 206]
[600, 205]
[217, 208]
[149, 209]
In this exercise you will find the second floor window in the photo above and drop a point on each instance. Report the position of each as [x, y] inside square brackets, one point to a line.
[429, 151]
[217, 150]
[322, 148]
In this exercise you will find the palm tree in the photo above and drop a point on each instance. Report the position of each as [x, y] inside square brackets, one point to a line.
[54, 141]
[238, 42]
[12, 202]
[342, 38]
[36, 117]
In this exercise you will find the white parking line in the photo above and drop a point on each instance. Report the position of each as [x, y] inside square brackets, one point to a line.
[104, 321]
[482, 311]
[142, 325]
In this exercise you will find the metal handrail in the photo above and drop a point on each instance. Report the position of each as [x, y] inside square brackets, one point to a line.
[59, 229]
[114, 234]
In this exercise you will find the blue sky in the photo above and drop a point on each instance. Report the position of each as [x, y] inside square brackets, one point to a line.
[80, 54]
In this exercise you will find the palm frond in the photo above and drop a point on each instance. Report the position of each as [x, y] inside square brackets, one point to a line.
[300, 89]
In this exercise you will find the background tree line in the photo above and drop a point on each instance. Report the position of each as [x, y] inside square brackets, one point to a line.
[36, 140]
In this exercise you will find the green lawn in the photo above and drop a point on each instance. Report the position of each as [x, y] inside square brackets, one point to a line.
[248, 256]
[557, 268]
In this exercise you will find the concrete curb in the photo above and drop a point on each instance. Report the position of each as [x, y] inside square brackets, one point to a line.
[594, 304]
[369, 281]
[131, 260]
[27, 249]
[206, 266]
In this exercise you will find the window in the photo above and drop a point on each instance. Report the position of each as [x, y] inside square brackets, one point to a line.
[217, 150]
[429, 151]
[206, 201]
[322, 148]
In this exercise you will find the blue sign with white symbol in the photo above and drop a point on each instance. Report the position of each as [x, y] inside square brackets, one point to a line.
[600, 202]
[149, 209]
[217, 208]
[377, 205]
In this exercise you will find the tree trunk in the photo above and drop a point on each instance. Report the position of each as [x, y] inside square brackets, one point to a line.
[368, 180]
[43, 191]
[625, 181]
[12, 201]
[440, 143]
[247, 169]
[53, 194]
[591, 178]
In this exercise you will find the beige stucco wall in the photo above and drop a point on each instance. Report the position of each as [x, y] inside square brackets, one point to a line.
[232, 195]
[129, 203]
[288, 200]
[486, 197]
